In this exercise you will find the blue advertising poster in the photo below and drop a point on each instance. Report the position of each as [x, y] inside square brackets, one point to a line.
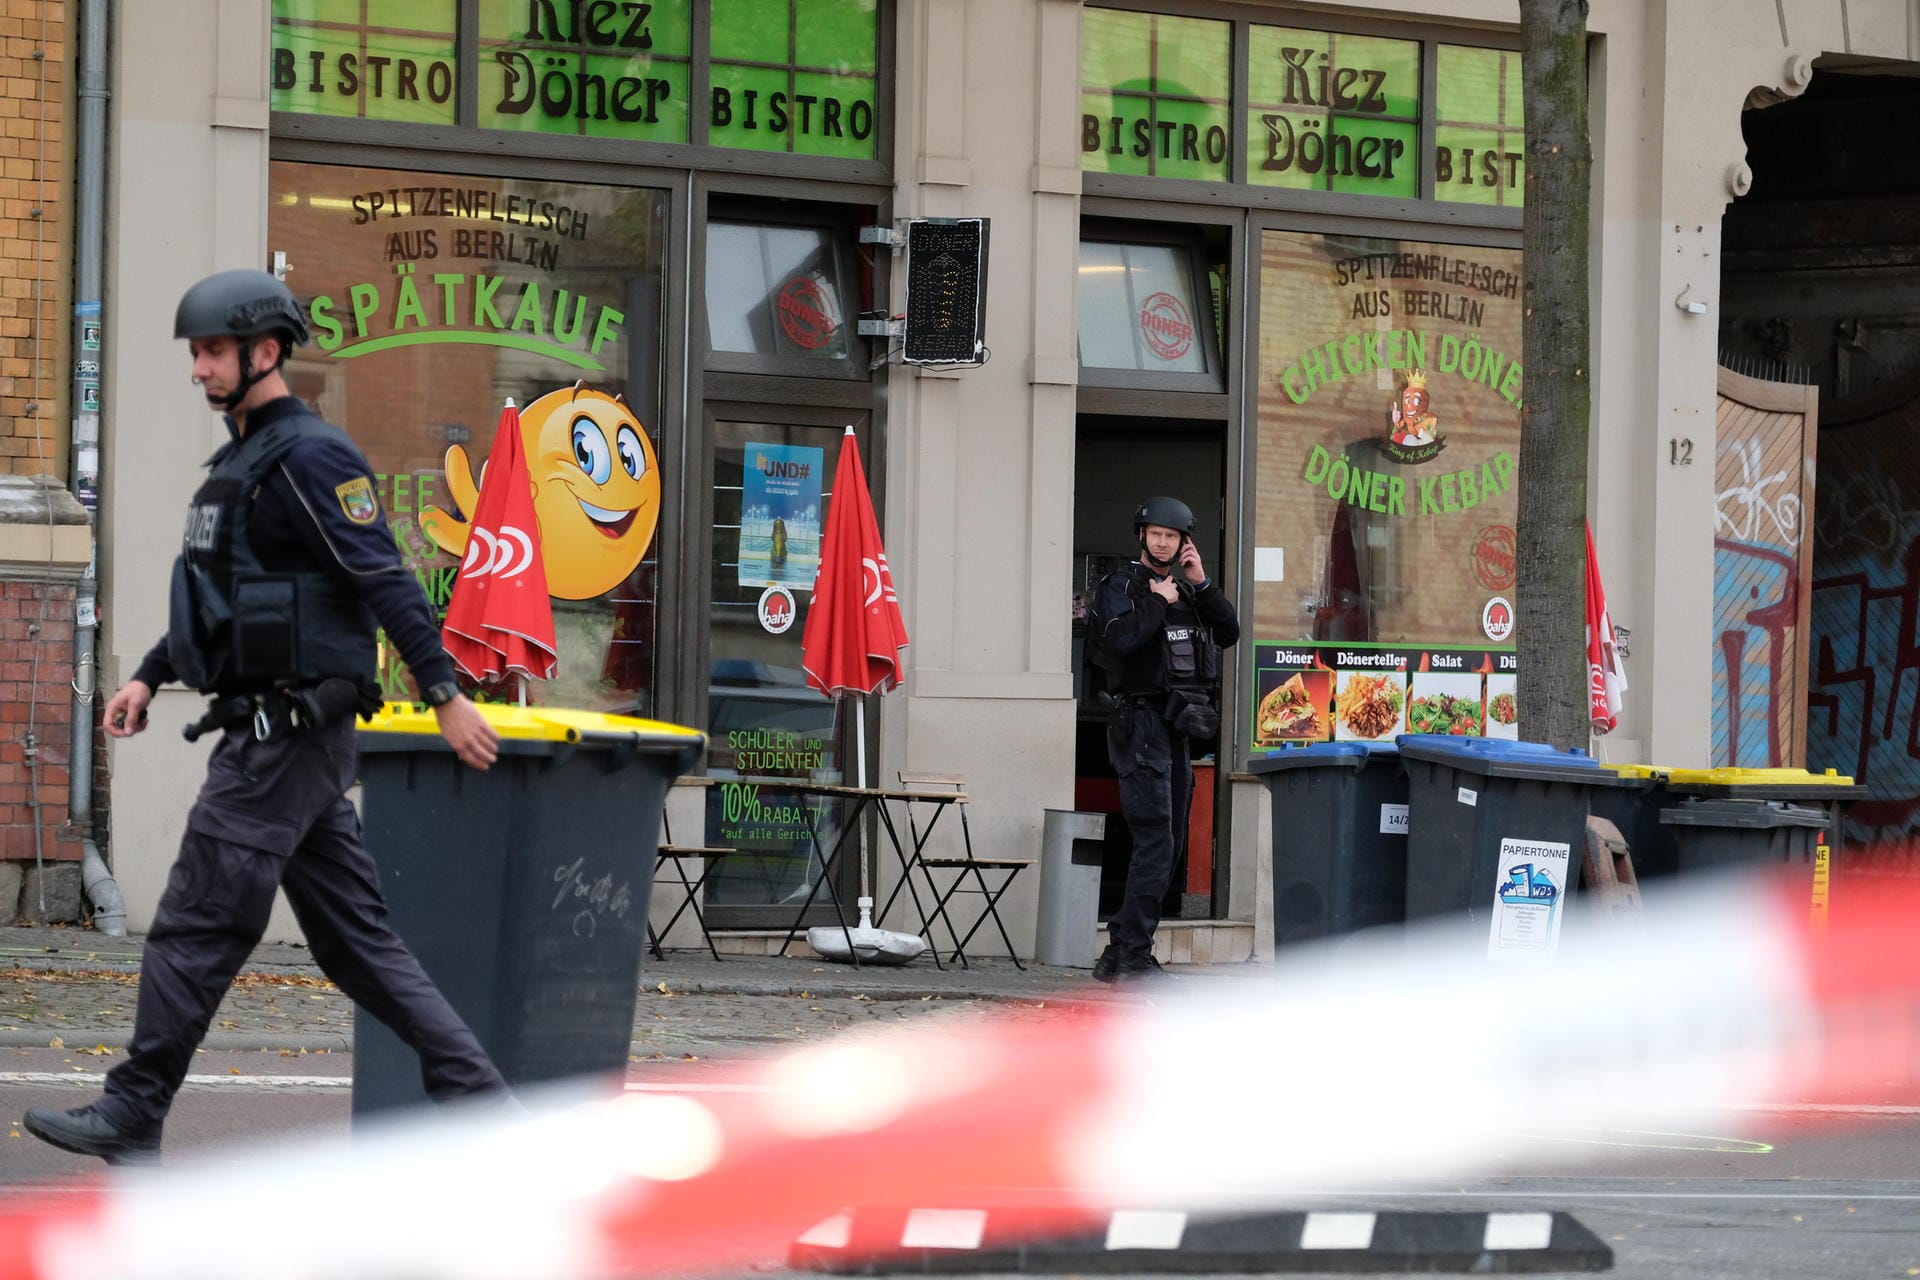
[780, 515]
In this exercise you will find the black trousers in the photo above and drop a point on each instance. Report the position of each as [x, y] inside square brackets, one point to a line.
[273, 815]
[1156, 787]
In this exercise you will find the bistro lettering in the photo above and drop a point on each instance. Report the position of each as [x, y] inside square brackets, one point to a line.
[402, 79]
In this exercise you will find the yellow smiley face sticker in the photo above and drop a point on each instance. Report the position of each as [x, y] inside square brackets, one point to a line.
[596, 491]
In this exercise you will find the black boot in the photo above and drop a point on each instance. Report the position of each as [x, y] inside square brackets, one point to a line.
[84, 1131]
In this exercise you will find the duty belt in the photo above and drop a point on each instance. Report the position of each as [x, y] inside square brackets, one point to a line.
[291, 710]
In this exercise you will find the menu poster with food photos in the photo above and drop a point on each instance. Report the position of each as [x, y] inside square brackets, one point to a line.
[1313, 692]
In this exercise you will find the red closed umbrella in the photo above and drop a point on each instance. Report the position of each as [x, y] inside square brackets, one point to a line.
[1606, 673]
[854, 633]
[500, 620]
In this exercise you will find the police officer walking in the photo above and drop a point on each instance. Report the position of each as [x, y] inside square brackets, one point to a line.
[1154, 636]
[286, 570]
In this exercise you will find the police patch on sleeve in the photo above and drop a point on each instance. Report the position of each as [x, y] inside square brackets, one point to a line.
[357, 500]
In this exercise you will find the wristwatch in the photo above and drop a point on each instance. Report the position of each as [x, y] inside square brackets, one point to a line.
[439, 695]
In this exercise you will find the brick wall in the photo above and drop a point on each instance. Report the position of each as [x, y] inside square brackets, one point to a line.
[36, 707]
[35, 200]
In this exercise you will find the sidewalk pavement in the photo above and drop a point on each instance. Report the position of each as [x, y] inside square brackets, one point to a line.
[79, 987]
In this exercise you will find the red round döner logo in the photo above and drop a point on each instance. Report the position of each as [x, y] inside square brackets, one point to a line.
[1494, 557]
[1165, 325]
[806, 317]
[1496, 619]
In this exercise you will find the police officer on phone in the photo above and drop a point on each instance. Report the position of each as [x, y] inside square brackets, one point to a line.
[1154, 636]
[286, 569]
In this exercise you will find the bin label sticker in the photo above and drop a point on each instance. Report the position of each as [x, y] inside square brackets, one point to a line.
[1528, 894]
[1393, 819]
[1469, 796]
[1822, 882]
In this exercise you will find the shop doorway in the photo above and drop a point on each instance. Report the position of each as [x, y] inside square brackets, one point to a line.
[1820, 271]
[1119, 462]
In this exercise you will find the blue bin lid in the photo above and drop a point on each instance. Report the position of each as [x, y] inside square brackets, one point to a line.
[1323, 755]
[1497, 757]
[1494, 750]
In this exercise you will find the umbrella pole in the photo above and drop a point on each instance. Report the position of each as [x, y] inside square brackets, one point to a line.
[523, 690]
[860, 779]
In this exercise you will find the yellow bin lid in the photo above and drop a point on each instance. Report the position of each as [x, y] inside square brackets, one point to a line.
[1637, 770]
[535, 724]
[1724, 777]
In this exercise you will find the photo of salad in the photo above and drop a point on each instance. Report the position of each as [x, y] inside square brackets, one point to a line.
[1444, 713]
[1503, 708]
[1446, 702]
[1368, 707]
[1294, 711]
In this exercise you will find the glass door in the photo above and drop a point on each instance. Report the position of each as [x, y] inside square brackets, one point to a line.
[772, 473]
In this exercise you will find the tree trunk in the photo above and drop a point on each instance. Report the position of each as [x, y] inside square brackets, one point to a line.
[1550, 609]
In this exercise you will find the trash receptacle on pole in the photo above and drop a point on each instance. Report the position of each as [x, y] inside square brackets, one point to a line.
[522, 890]
[1339, 838]
[1497, 831]
[1067, 928]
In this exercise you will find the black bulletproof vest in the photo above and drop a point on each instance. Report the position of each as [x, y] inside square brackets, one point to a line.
[233, 626]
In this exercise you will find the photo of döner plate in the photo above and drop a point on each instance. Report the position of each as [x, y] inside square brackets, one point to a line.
[1503, 708]
[1370, 706]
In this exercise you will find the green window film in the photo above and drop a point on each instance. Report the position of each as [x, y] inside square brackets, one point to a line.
[795, 76]
[1155, 94]
[365, 59]
[1479, 138]
[591, 70]
[1332, 112]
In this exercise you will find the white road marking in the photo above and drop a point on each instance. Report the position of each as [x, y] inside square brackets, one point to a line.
[1337, 1231]
[264, 1084]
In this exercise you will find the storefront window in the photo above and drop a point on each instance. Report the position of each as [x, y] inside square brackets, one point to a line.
[771, 485]
[795, 75]
[775, 291]
[1386, 460]
[1479, 131]
[370, 59]
[1333, 112]
[1155, 95]
[600, 71]
[432, 298]
[1137, 308]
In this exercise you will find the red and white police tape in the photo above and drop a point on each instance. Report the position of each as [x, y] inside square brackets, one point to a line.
[1404, 1057]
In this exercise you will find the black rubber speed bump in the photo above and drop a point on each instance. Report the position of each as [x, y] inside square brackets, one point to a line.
[957, 1241]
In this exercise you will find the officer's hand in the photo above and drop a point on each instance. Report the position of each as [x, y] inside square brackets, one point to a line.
[126, 714]
[468, 732]
[1190, 563]
[1164, 588]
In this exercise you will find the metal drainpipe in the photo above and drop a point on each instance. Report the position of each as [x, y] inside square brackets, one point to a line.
[110, 915]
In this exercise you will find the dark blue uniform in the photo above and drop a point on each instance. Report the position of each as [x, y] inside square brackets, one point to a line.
[1154, 653]
[303, 528]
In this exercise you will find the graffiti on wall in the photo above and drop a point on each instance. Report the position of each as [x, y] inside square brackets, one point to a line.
[1864, 705]
[1763, 477]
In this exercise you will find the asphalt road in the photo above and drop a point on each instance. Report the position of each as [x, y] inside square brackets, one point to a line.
[1779, 1194]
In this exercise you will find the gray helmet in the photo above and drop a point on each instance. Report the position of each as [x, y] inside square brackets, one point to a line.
[242, 304]
[1169, 513]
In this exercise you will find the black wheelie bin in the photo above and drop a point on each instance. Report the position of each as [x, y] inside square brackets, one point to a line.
[522, 890]
[1497, 833]
[1339, 838]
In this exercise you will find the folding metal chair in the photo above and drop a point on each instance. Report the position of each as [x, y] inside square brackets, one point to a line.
[985, 878]
[677, 854]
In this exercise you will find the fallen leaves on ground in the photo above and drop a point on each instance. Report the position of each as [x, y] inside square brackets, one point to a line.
[130, 978]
